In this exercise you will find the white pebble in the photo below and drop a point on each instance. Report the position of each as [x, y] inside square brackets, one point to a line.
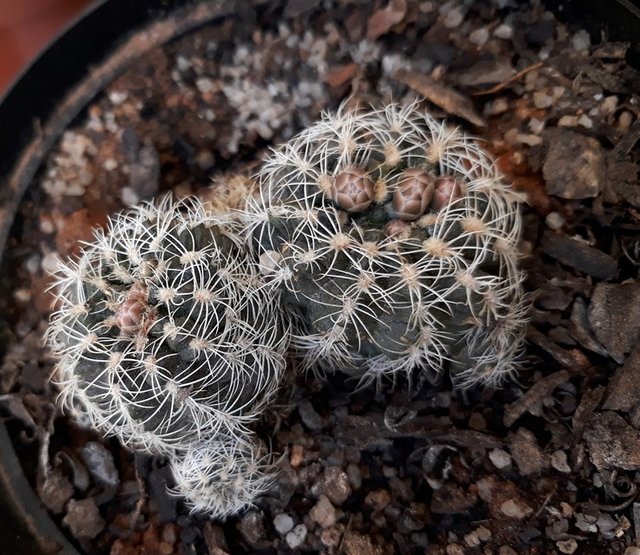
[472, 539]
[536, 125]
[110, 164]
[500, 458]
[542, 100]
[585, 121]
[204, 84]
[479, 36]
[581, 40]
[559, 461]
[283, 523]
[503, 31]
[568, 121]
[567, 546]
[497, 106]
[554, 220]
[22, 295]
[528, 139]
[118, 97]
[296, 537]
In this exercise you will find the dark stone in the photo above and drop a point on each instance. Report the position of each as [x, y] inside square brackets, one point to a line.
[452, 499]
[579, 256]
[574, 167]
[309, 416]
[612, 443]
[623, 393]
[614, 316]
[540, 32]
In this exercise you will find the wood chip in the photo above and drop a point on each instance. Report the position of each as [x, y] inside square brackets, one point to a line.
[534, 396]
[443, 96]
[340, 75]
[382, 20]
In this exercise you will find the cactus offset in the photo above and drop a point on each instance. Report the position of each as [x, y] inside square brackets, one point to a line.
[164, 334]
[222, 476]
[394, 239]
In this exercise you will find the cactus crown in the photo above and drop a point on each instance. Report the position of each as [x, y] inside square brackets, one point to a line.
[163, 333]
[395, 237]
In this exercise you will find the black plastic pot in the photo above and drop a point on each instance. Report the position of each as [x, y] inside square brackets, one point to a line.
[55, 89]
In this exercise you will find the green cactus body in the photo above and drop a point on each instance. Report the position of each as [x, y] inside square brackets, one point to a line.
[395, 239]
[164, 334]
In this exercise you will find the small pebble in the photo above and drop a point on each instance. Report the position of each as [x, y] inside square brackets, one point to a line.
[609, 105]
[472, 539]
[204, 84]
[542, 100]
[117, 97]
[503, 31]
[378, 499]
[567, 546]
[296, 537]
[454, 549]
[334, 483]
[536, 125]
[568, 121]
[283, 523]
[554, 220]
[323, 512]
[479, 36]
[483, 533]
[355, 476]
[581, 40]
[506, 550]
[632, 550]
[497, 106]
[310, 418]
[453, 18]
[110, 164]
[331, 537]
[514, 509]
[625, 120]
[500, 458]
[528, 139]
[585, 121]
[297, 455]
[559, 461]
[22, 295]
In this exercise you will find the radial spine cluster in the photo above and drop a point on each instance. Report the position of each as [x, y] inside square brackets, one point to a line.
[165, 336]
[394, 239]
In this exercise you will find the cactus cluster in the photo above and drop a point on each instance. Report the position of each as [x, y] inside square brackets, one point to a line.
[164, 336]
[380, 243]
[394, 239]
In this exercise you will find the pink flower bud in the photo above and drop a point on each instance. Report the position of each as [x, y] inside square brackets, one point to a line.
[447, 190]
[413, 193]
[131, 314]
[353, 190]
[396, 228]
